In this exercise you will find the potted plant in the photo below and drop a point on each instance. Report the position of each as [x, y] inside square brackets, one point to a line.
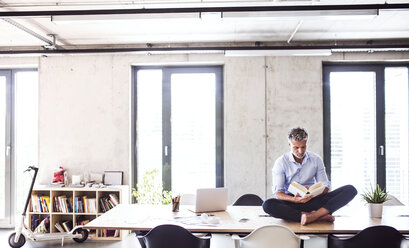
[375, 197]
[150, 190]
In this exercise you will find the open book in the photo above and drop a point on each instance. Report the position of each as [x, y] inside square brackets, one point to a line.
[314, 190]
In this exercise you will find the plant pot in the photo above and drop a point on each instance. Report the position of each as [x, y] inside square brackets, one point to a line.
[375, 210]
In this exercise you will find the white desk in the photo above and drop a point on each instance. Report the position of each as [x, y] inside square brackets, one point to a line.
[144, 218]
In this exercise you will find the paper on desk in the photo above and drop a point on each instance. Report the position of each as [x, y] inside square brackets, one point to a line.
[192, 220]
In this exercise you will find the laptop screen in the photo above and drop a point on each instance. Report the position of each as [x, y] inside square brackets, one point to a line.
[211, 200]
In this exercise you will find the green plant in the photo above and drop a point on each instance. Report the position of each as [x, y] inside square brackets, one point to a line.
[376, 195]
[150, 190]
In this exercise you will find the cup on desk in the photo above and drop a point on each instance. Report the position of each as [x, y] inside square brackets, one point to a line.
[175, 203]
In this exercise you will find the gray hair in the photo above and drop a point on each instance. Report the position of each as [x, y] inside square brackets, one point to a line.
[297, 134]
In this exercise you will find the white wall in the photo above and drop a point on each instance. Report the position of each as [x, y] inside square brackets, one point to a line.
[84, 119]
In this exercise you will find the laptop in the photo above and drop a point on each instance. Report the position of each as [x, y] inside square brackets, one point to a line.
[210, 200]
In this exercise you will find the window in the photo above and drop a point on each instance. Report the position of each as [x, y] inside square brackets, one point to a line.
[179, 126]
[366, 126]
[18, 138]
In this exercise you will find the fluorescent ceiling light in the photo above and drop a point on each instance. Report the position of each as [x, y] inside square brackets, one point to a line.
[369, 50]
[93, 18]
[295, 52]
[325, 14]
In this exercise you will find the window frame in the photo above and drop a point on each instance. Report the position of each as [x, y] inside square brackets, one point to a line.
[166, 106]
[11, 181]
[379, 69]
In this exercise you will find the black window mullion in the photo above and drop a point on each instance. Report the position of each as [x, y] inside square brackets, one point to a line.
[327, 120]
[380, 127]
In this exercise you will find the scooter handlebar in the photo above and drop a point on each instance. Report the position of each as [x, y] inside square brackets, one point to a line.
[31, 168]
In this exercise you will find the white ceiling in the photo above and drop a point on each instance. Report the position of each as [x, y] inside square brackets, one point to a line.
[390, 26]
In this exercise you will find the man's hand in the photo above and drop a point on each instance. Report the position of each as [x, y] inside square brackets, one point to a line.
[291, 198]
[298, 199]
[326, 190]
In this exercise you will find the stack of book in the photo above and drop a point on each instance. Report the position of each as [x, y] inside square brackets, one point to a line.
[40, 204]
[65, 226]
[36, 220]
[63, 204]
[59, 227]
[107, 233]
[85, 205]
[108, 202]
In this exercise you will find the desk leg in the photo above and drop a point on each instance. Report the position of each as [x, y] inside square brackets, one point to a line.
[302, 243]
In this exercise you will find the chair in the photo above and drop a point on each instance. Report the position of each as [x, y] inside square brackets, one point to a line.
[373, 237]
[269, 236]
[164, 236]
[248, 200]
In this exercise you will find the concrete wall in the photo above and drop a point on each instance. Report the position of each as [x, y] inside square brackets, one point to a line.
[84, 111]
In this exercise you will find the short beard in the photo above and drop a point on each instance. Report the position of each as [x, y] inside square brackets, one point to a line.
[295, 155]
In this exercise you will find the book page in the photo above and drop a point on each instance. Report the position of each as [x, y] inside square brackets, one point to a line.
[317, 191]
[295, 188]
[315, 186]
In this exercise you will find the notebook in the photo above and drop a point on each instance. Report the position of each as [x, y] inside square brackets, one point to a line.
[210, 200]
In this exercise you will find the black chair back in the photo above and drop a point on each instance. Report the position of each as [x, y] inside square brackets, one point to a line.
[248, 200]
[371, 237]
[166, 236]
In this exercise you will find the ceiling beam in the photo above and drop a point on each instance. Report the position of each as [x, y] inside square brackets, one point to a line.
[381, 46]
[144, 10]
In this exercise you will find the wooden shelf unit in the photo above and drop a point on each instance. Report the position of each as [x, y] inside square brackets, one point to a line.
[92, 193]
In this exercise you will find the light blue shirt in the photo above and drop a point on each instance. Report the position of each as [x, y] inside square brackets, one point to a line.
[286, 170]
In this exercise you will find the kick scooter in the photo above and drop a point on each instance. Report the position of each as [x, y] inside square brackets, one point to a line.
[18, 238]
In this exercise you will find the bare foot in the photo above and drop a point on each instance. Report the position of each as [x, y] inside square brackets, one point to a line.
[310, 217]
[326, 218]
[303, 219]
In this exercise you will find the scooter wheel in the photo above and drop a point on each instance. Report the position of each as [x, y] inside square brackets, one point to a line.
[83, 232]
[20, 243]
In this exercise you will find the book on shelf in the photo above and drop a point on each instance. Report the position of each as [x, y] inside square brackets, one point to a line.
[83, 222]
[59, 227]
[63, 204]
[110, 233]
[67, 225]
[106, 204]
[296, 188]
[107, 233]
[102, 205]
[114, 199]
[39, 203]
[92, 205]
[35, 220]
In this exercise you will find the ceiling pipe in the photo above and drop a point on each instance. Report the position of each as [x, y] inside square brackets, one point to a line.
[144, 10]
[149, 50]
[295, 31]
[31, 32]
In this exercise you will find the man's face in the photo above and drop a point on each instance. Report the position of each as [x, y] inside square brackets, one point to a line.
[298, 148]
